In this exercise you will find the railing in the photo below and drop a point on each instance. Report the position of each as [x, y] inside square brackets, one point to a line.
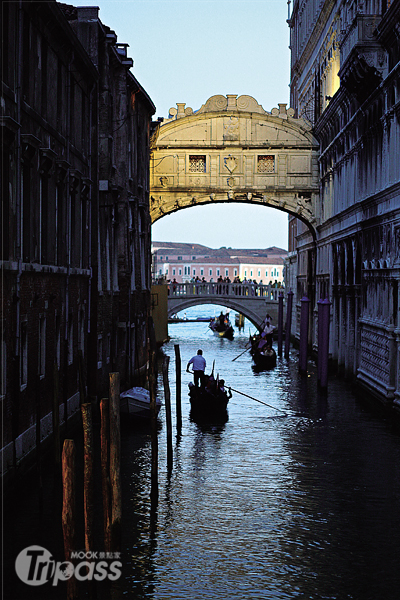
[268, 292]
[357, 33]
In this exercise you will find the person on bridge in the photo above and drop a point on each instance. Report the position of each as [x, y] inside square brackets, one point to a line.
[199, 366]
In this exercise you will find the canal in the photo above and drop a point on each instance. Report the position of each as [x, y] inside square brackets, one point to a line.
[301, 502]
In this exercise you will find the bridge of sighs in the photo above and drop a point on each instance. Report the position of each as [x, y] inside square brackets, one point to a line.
[232, 150]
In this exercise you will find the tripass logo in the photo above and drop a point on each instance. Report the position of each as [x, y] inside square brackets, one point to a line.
[35, 566]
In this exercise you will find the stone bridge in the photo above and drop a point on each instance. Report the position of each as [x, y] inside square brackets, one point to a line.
[232, 150]
[251, 300]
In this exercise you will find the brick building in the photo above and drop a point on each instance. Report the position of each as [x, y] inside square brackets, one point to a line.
[75, 227]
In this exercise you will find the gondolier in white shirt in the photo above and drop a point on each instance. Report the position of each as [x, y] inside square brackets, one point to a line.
[199, 366]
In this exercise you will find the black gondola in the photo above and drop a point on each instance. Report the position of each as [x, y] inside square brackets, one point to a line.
[265, 357]
[222, 328]
[208, 406]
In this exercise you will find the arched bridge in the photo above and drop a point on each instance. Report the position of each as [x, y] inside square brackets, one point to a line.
[232, 150]
[251, 300]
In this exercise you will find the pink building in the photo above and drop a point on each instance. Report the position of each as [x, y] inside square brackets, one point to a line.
[186, 261]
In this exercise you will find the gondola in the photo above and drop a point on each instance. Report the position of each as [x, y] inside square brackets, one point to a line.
[222, 330]
[265, 359]
[208, 406]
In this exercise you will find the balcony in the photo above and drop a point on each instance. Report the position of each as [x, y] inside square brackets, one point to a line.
[363, 60]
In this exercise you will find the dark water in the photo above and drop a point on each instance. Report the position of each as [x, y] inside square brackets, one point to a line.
[301, 502]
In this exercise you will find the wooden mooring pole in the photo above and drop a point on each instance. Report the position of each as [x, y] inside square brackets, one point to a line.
[105, 469]
[154, 436]
[304, 320]
[167, 397]
[68, 510]
[323, 342]
[289, 303]
[178, 371]
[88, 480]
[115, 461]
[280, 323]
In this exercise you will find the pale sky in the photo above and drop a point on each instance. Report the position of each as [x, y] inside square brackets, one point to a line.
[190, 50]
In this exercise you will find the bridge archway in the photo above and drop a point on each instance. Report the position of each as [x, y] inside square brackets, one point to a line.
[232, 150]
[252, 302]
[255, 317]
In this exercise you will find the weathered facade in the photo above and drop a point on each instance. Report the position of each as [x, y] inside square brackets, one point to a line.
[121, 254]
[67, 273]
[345, 79]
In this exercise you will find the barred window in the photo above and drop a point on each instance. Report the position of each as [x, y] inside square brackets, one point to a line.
[266, 164]
[197, 164]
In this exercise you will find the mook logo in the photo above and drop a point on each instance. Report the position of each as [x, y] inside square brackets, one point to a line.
[36, 566]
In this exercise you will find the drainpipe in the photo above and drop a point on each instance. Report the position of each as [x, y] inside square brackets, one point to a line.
[68, 244]
[18, 181]
[91, 94]
[17, 355]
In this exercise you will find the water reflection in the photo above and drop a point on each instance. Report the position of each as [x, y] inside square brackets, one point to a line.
[298, 499]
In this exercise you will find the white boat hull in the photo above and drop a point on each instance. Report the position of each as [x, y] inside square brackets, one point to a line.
[136, 402]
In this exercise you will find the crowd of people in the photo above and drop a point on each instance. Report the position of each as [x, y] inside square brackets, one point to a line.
[250, 284]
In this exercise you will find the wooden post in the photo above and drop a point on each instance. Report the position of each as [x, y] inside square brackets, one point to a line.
[56, 418]
[68, 510]
[323, 341]
[167, 397]
[86, 410]
[105, 469]
[154, 437]
[289, 304]
[178, 371]
[280, 323]
[115, 461]
[304, 320]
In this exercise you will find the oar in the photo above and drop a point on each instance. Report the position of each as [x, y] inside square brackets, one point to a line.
[260, 401]
[245, 350]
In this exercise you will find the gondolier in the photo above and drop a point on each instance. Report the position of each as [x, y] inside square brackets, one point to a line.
[199, 366]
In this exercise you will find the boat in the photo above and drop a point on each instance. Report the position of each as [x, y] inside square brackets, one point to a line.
[265, 359]
[197, 320]
[208, 406]
[136, 402]
[222, 327]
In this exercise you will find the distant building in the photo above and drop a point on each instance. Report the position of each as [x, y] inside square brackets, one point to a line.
[185, 261]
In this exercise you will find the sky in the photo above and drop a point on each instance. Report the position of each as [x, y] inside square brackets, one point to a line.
[190, 50]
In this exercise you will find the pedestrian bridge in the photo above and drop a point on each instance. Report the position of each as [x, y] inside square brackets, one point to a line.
[252, 300]
[232, 150]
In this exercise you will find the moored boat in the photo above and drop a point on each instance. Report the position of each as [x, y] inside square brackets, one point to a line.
[136, 402]
[198, 320]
